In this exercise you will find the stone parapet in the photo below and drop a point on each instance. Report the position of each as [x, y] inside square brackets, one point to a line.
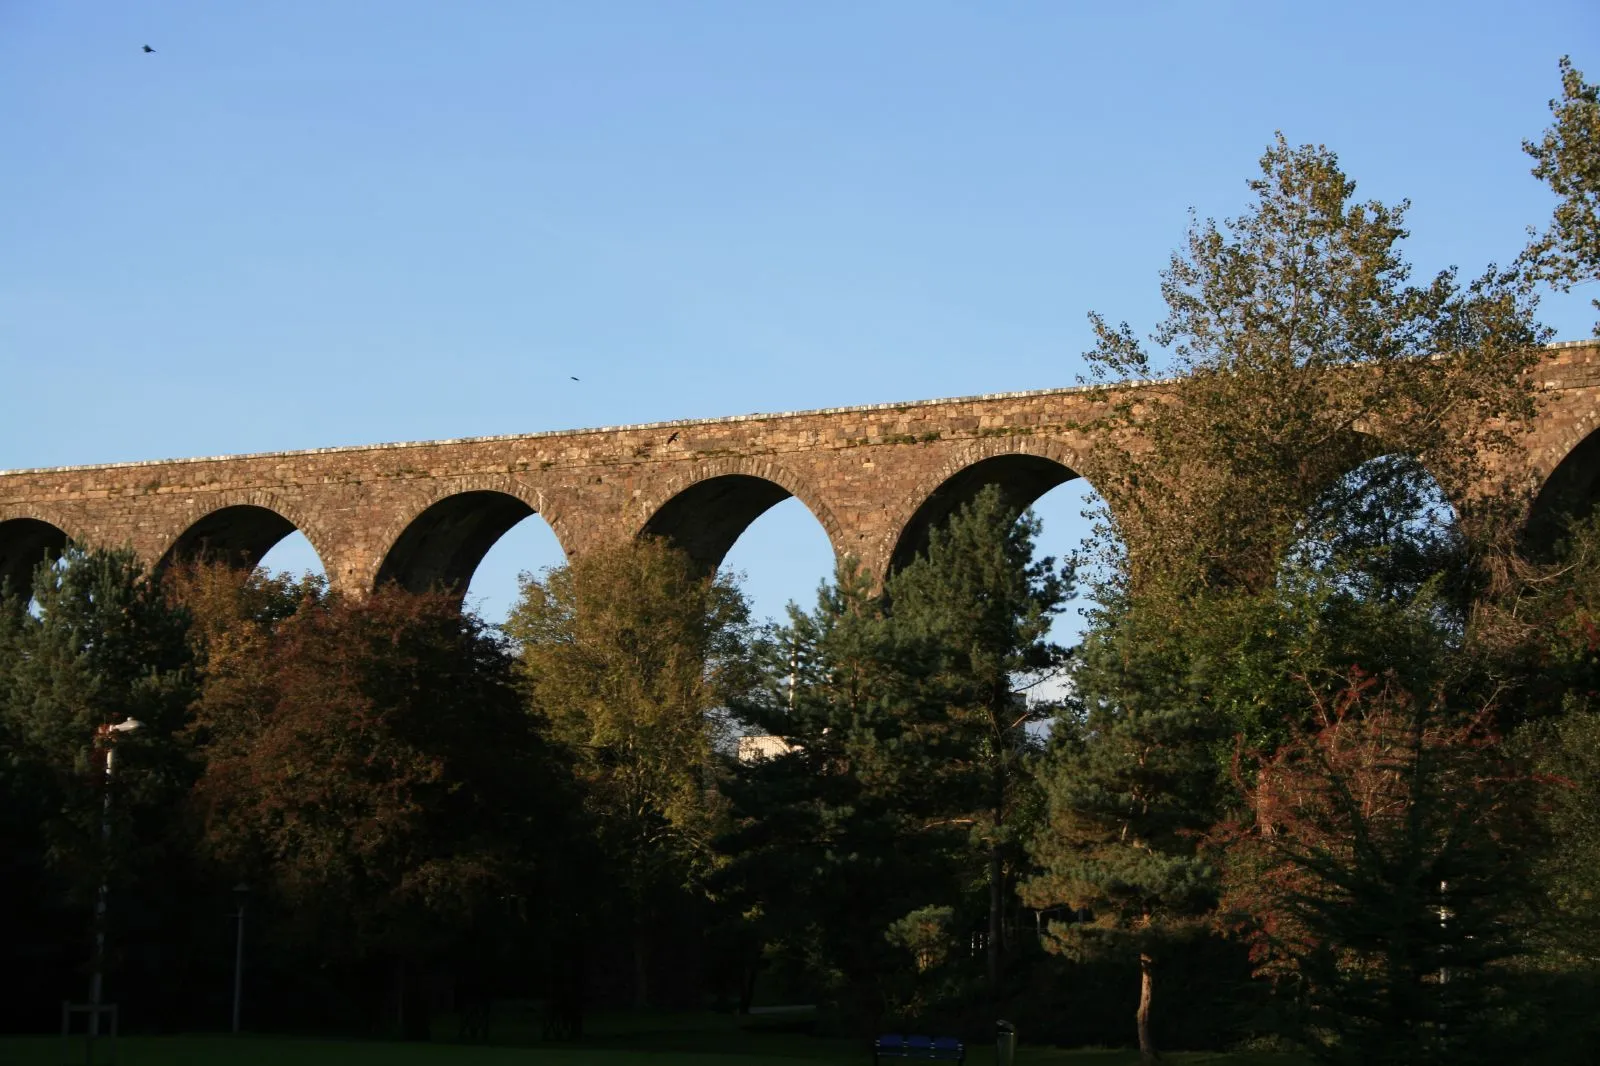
[427, 511]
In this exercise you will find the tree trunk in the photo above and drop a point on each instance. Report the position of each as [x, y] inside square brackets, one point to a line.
[747, 982]
[412, 1013]
[565, 983]
[641, 967]
[996, 906]
[1147, 1048]
[1000, 706]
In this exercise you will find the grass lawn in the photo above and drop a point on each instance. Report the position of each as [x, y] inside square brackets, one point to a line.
[614, 1040]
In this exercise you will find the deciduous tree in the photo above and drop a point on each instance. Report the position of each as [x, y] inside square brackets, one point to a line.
[370, 763]
[1567, 158]
[630, 653]
[1300, 349]
[1243, 497]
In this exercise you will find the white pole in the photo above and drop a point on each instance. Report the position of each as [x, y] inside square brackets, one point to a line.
[97, 977]
[238, 965]
[794, 671]
[96, 980]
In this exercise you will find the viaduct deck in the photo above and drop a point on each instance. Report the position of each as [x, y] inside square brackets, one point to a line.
[875, 477]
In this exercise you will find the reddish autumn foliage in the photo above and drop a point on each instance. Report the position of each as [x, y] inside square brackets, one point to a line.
[1375, 874]
[368, 761]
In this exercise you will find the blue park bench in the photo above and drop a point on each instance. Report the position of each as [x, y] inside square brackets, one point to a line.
[926, 1048]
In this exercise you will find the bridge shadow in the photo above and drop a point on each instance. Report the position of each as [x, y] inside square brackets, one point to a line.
[773, 540]
[444, 547]
[24, 544]
[240, 536]
[1021, 479]
[705, 519]
[1571, 491]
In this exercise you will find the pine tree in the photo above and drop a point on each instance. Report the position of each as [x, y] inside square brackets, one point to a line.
[1131, 787]
[906, 732]
[845, 831]
[1383, 872]
[977, 607]
[100, 647]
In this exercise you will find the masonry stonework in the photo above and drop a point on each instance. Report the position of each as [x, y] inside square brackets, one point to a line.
[874, 477]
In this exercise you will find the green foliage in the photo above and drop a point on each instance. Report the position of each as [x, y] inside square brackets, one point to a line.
[903, 785]
[972, 615]
[1568, 750]
[925, 933]
[102, 645]
[1131, 786]
[629, 654]
[1548, 638]
[847, 830]
[1285, 513]
[975, 611]
[1302, 350]
[1567, 158]
[1385, 534]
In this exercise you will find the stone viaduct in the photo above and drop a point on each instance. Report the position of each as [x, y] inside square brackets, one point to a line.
[875, 477]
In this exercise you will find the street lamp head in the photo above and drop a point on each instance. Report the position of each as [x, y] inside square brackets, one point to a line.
[127, 725]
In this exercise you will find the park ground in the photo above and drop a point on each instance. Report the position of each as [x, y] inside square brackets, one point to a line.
[614, 1040]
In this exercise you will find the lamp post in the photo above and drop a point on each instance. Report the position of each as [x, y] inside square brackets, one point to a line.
[105, 737]
[240, 892]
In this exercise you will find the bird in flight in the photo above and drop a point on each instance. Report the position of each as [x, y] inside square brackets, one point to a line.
[673, 437]
[574, 379]
[148, 50]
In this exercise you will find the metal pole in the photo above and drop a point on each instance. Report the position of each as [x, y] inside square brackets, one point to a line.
[794, 671]
[103, 736]
[96, 976]
[238, 964]
[1444, 924]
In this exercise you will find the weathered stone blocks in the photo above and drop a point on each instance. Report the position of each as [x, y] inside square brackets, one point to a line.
[865, 473]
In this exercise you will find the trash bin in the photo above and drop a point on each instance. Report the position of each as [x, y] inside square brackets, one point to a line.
[1005, 1044]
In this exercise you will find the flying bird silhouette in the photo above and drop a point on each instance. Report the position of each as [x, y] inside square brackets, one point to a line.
[148, 49]
[673, 437]
[574, 379]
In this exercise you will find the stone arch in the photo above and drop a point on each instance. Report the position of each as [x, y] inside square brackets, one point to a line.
[239, 528]
[29, 536]
[1367, 444]
[440, 543]
[704, 509]
[1566, 482]
[1023, 468]
[1389, 506]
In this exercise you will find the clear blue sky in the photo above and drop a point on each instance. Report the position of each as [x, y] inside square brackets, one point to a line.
[314, 223]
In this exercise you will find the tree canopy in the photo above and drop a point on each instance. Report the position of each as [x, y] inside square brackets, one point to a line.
[629, 654]
[1567, 158]
[1281, 519]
